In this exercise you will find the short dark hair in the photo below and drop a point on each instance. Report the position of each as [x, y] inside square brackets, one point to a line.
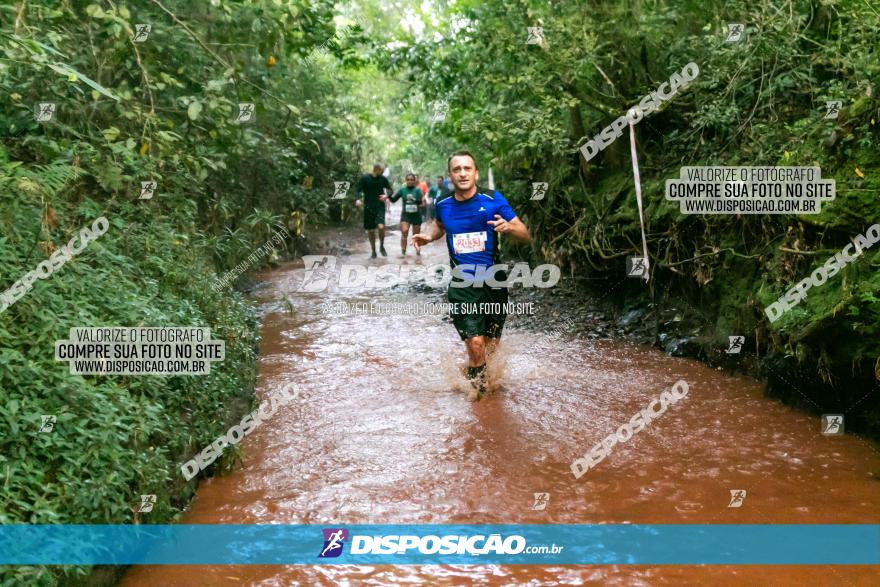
[439, 177]
[461, 153]
[408, 175]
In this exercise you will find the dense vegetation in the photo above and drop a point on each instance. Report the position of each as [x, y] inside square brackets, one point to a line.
[162, 109]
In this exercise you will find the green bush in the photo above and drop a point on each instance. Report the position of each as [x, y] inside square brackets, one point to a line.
[126, 113]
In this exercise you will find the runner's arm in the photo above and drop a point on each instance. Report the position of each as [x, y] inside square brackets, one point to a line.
[436, 232]
[514, 227]
[358, 191]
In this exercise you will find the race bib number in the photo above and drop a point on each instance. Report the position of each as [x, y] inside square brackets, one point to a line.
[469, 242]
[412, 207]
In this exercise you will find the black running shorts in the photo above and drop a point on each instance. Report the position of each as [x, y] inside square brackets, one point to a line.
[374, 216]
[411, 217]
[478, 311]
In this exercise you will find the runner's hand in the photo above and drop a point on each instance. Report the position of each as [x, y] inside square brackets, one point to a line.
[420, 240]
[500, 224]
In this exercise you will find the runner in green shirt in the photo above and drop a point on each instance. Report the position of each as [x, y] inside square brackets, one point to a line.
[413, 202]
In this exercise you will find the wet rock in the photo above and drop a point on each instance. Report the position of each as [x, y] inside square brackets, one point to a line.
[253, 287]
[680, 347]
[631, 317]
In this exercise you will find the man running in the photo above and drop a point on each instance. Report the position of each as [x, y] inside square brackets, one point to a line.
[373, 187]
[411, 215]
[472, 220]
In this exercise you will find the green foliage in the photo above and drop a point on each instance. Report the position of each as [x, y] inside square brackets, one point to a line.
[128, 112]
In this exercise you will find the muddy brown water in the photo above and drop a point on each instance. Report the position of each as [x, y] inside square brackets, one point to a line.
[385, 434]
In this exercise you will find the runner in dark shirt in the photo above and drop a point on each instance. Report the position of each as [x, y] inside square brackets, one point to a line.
[375, 189]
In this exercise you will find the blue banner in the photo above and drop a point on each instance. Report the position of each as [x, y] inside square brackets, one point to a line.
[619, 544]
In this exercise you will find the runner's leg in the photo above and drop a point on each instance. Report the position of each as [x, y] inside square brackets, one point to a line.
[404, 233]
[476, 348]
[370, 227]
[417, 229]
[471, 327]
[476, 371]
[372, 236]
